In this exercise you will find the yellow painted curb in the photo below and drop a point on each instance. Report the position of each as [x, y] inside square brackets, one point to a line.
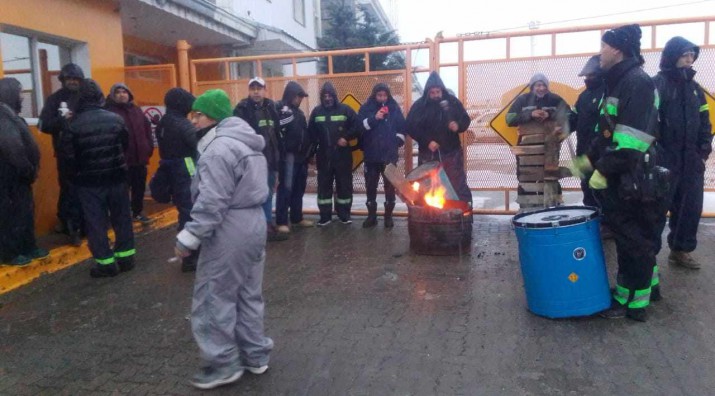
[12, 277]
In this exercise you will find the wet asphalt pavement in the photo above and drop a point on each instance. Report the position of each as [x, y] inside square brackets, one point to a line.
[353, 312]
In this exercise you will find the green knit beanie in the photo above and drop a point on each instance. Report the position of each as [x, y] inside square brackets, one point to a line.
[215, 104]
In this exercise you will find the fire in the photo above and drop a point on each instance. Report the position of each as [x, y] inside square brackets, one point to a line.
[416, 186]
[435, 198]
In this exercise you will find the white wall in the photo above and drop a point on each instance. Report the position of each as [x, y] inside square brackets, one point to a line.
[277, 13]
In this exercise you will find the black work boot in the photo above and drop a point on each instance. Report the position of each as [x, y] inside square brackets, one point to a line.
[326, 215]
[637, 314]
[655, 293]
[126, 264]
[104, 270]
[389, 206]
[616, 311]
[371, 220]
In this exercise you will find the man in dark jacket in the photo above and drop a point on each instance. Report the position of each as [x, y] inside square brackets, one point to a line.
[177, 139]
[384, 125]
[94, 148]
[539, 104]
[331, 125]
[685, 135]
[19, 163]
[435, 122]
[141, 145]
[621, 157]
[260, 113]
[296, 148]
[584, 116]
[59, 109]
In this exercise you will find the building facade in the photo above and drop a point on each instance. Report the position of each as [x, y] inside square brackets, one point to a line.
[105, 37]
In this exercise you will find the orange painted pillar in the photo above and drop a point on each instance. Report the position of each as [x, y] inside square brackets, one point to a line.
[2, 73]
[182, 48]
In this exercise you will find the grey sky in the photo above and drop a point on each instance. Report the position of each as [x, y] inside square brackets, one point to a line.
[419, 19]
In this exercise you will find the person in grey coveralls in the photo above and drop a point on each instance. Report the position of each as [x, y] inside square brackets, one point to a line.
[228, 223]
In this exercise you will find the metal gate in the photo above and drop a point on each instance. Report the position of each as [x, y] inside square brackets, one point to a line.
[484, 70]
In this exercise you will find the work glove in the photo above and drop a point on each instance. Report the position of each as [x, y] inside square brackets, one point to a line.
[598, 181]
[580, 166]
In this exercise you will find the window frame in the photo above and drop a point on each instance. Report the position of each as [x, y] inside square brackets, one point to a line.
[78, 54]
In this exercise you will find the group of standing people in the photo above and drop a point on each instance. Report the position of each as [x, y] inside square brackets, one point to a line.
[228, 162]
[642, 147]
[102, 147]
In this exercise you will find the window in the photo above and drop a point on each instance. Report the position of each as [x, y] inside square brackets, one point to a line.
[36, 63]
[299, 11]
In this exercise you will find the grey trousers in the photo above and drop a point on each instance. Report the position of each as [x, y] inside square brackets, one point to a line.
[227, 307]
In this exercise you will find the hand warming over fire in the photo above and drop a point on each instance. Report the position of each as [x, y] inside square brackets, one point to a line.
[453, 126]
[433, 146]
[342, 142]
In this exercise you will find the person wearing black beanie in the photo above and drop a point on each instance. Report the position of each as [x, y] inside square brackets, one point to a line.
[621, 163]
[627, 40]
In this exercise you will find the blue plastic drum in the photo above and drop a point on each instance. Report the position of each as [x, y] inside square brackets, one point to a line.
[562, 261]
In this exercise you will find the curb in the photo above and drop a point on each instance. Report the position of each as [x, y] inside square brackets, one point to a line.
[13, 277]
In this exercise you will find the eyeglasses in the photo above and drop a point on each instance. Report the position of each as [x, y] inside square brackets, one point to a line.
[689, 53]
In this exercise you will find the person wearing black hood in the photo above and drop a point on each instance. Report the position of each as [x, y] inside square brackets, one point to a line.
[621, 159]
[260, 113]
[584, 116]
[296, 148]
[120, 101]
[331, 125]
[19, 163]
[435, 122]
[59, 109]
[685, 135]
[94, 146]
[177, 138]
[384, 125]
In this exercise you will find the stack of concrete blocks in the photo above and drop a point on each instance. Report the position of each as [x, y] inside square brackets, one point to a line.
[537, 165]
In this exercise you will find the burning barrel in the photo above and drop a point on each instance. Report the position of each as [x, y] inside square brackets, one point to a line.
[438, 223]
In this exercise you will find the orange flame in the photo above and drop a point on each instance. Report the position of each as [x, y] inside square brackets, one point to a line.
[435, 198]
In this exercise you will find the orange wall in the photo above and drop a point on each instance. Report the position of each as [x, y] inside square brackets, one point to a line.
[139, 46]
[96, 22]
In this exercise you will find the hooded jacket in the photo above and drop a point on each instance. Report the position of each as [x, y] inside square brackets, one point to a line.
[327, 124]
[51, 122]
[141, 139]
[228, 190]
[684, 131]
[263, 118]
[584, 116]
[19, 154]
[175, 134]
[428, 120]
[520, 111]
[381, 139]
[293, 125]
[95, 142]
